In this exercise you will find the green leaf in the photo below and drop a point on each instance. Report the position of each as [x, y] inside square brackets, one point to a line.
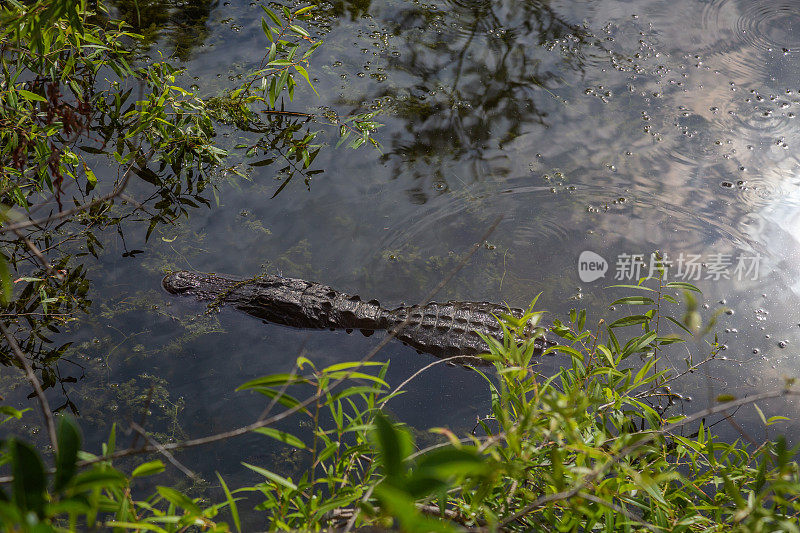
[356, 375]
[452, 461]
[29, 480]
[775, 419]
[679, 324]
[633, 300]
[283, 398]
[267, 30]
[111, 446]
[401, 505]
[272, 15]
[272, 476]
[638, 287]
[97, 478]
[606, 353]
[90, 177]
[148, 469]
[722, 398]
[682, 285]
[304, 73]
[304, 10]
[272, 380]
[298, 30]
[179, 499]
[231, 501]
[564, 349]
[10, 412]
[312, 48]
[389, 443]
[669, 340]
[5, 281]
[69, 443]
[31, 96]
[357, 389]
[629, 321]
[353, 364]
[135, 526]
[286, 438]
[641, 342]
[760, 414]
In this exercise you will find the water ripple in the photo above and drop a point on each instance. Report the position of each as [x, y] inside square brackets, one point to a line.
[759, 31]
[547, 214]
[770, 25]
[767, 25]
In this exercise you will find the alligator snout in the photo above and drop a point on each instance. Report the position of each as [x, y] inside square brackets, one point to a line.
[179, 282]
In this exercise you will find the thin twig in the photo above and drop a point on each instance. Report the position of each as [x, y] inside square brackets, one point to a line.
[43, 403]
[464, 440]
[735, 425]
[133, 200]
[417, 373]
[424, 508]
[158, 446]
[39, 255]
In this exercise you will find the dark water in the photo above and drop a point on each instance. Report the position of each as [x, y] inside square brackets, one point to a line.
[615, 127]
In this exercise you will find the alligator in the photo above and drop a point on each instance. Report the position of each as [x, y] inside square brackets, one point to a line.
[441, 329]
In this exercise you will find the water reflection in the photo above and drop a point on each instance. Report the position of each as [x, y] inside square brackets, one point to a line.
[181, 26]
[553, 123]
[475, 78]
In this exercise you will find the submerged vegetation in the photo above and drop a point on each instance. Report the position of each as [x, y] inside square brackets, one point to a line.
[601, 445]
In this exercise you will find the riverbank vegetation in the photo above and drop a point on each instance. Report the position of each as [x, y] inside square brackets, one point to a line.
[598, 446]
[602, 445]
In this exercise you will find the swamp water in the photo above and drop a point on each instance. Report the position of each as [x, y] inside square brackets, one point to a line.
[612, 127]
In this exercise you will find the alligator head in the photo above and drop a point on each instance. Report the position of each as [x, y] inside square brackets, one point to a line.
[180, 282]
[204, 287]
